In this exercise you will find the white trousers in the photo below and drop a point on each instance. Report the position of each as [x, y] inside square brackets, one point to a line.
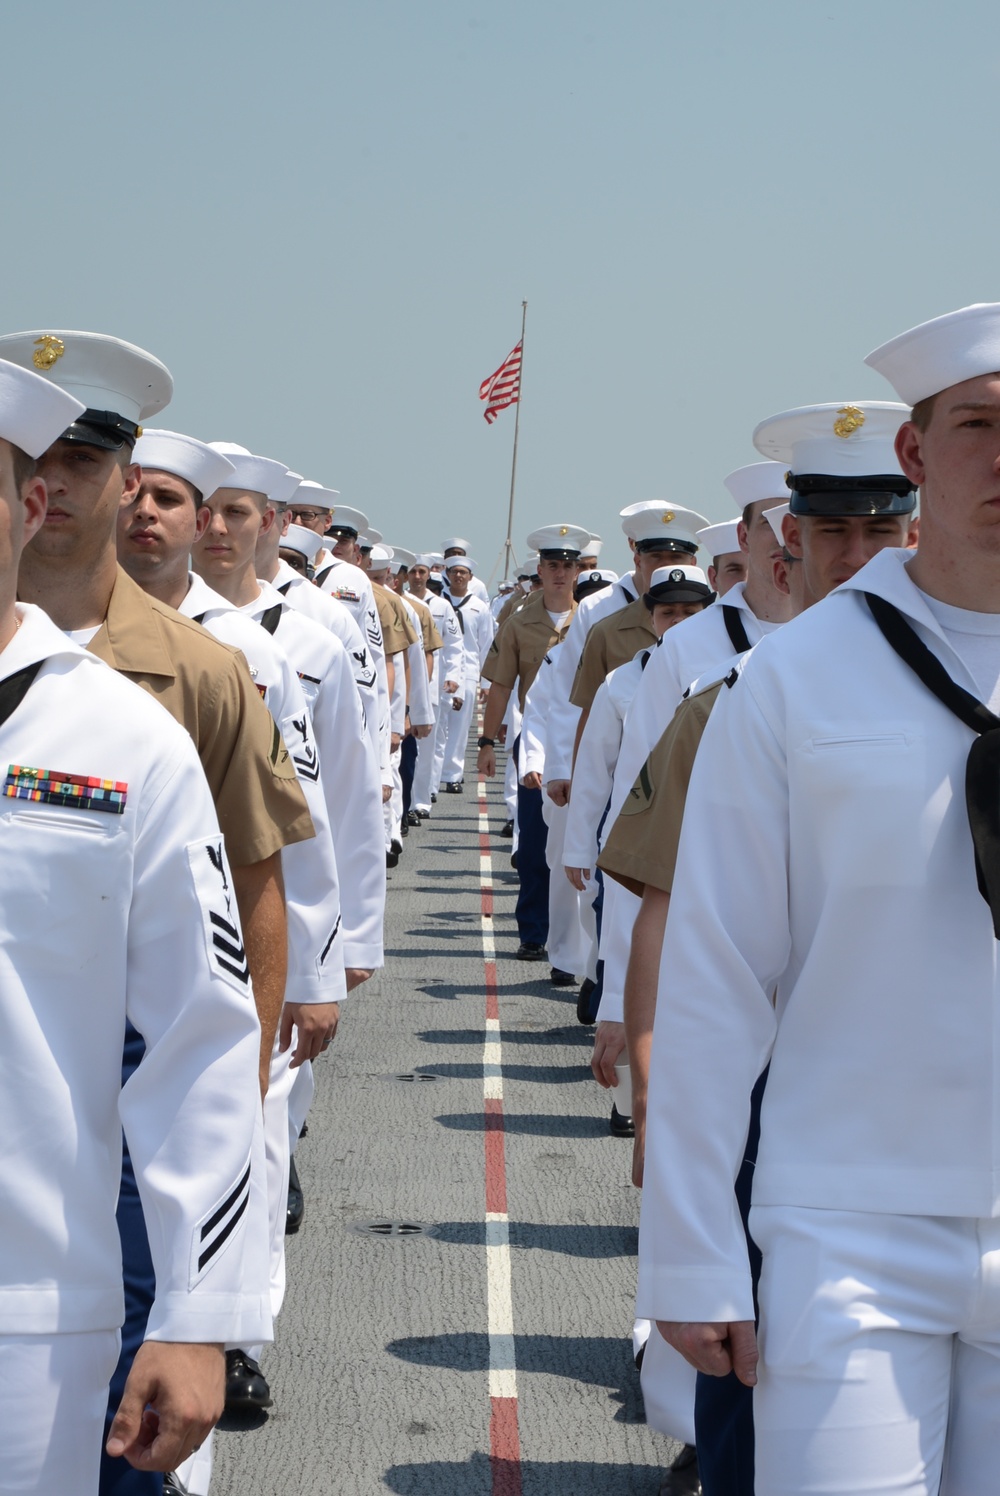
[567, 945]
[392, 810]
[423, 773]
[299, 1101]
[880, 1354]
[53, 1398]
[445, 713]
[457, 743]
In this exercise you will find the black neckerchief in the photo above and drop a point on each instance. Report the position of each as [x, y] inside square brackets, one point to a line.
[284, 590]
[270, 618]
[735, 628]
[982, 769]
[15, 688]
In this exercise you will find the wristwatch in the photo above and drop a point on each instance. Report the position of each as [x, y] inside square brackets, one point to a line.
[487, 743]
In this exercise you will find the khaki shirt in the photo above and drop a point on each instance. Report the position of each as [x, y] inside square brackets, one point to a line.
[512, 605]
[612, 641]
[208, 689]
[642, 846]
[521, 645]
[432, 639]
[397, 629]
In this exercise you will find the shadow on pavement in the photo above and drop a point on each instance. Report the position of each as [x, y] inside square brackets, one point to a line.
[479, 1476]
[530, 1124]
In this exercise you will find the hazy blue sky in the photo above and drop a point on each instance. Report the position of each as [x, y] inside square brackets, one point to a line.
[324, 217]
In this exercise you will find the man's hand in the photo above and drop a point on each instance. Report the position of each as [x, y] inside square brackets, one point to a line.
[639, 1123]
[502, 734]
[579, 877]
[484, 692]
[394, 741]
[355, 976]
[609, 1046]
[450, 687]
[532, 781]
[558, 791]
[714, 1348]
[486, 761]
[173, 1396]
[422, 729]
[316, 1024]
[386, 793]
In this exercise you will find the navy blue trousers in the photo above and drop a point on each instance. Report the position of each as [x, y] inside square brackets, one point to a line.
[407, 764]
[532, 910]
[117, 1476]
[723, 1407]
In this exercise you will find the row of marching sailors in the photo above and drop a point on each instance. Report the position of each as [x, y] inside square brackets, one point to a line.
[164, 556]
[599, 684]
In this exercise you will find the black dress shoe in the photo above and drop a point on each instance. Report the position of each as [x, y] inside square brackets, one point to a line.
[173, 1486]
[246, 1386]
[561, 978]
[434, 799]
[528, 951]
[621, 1127]
[296, 1201]
[586, 1010]
[392, 858]
[422, 815]
[413, 818]
[513, 861]
[682, 1479]
[452, 786]
[396, 846]
[507, 830]
[404, 827]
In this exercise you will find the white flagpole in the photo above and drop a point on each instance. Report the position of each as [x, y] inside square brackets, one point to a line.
[508, 546]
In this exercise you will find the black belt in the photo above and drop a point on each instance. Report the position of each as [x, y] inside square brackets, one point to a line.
[982, 768]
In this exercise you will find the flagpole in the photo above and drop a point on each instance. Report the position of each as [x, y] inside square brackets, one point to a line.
[508, 549]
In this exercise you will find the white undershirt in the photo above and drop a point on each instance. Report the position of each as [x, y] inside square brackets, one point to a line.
[766, 625]
[82, 636]
[975, 638]
[558, 619]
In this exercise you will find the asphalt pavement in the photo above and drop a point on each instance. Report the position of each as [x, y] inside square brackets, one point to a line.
[460, 1296]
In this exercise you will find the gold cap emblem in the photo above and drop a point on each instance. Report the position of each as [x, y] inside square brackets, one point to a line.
[47, 350]
[669, 517]
[564, 529]
[852, 418]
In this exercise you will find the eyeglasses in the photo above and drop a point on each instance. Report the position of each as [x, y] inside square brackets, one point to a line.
[298, 514]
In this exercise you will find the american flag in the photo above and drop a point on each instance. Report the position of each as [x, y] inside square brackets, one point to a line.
[504, 387]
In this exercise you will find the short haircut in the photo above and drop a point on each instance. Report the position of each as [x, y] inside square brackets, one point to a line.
[25, 467]
[921, 413]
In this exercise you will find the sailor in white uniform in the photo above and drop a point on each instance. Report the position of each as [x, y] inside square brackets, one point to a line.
[445, 684]
[476, 623]
[456, 546]
[850, 939]
[112, 872]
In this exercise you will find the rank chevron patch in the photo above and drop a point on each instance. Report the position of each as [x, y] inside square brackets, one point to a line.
[297, 733]
[216, 1227]
[220, 920]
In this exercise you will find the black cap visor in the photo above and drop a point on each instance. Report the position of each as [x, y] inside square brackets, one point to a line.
[666, 543]
[103, 428]
[837, 497]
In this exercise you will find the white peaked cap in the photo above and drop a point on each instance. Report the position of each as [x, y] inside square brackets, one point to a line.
[255, 474]
[756, 481]
[654, 519]
[937, 354]
[306, 542]
[679, 574]
[594, 547]
[104, 372]
[558, 538]
[33, 412]
[721, 540]
[368, 537]
[194, 461]
[465, 561]
[847, 440]
[774, 517]
[456, 541]
[381, 557]
[404, 557]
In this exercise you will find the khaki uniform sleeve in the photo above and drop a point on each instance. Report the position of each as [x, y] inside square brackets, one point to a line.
[397, 631]
[503, 662]
[642, 847]
[591, 671]
[258, 798]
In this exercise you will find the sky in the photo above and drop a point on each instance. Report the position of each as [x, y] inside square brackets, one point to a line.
[324, 218]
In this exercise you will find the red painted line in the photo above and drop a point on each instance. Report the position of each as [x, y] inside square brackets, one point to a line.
[496, 1160]
[505, 1447]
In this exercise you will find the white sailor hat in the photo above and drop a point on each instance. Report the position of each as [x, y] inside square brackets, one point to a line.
[306, 542]
[841, 458]
[593, 547]
[33, 412]
[465, 561]
[255, 474]
[757, 481]
[425, 558]
[380, 558]
[721, 540]
[194, 461]
[656, 525]
[528, 567]
[678, 584]
[312, 495]
[937, 354]
[558, 542]
[774, 518]
[118, 383]
[402, 557]
[455, 544]
[369, 537]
